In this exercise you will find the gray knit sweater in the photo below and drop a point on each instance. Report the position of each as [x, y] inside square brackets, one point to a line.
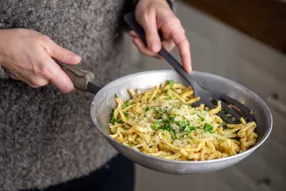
[47, 137]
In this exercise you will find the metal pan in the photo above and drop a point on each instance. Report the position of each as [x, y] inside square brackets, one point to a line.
[103, 102]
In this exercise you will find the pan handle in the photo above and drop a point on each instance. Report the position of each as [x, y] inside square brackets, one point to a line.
[80, 78]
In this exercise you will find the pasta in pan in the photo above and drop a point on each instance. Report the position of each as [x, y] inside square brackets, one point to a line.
[162, 122]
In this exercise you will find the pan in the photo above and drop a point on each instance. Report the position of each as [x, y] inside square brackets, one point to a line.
[103, 103]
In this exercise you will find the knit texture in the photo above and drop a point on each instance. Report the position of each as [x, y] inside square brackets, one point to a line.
[47, 137]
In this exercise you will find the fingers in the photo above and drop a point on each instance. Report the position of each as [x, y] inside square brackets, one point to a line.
[57, 76]
[60, 53]
[149, 23]
[134, 34]
[184, 48]
[142, 47]
[34, 82]
[50, 72]
[174, 30]
[167, 44]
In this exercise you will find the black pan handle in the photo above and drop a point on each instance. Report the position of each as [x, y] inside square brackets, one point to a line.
[130, 19]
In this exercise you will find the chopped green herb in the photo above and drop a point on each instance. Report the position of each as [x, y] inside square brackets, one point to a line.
[184, 126]
[147, 108]
[158, 122]
[115, 95]
[166, 127]
[177, 123]
[208, 127]
[156, 125]
[153, 127]
[112, 120]
[165, 91]
[170, 82]
[126, 103]
[190, 128]
[173, 134]
[165, 121]
[126, 114]
[187, 123]
[111, 114]
[159, 113]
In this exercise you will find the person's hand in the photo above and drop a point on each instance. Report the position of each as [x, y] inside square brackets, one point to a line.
[27, 55]
[154, 16]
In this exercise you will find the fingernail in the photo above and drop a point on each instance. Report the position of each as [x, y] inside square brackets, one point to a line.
[190, 68]
[155, 47]
[76, 58]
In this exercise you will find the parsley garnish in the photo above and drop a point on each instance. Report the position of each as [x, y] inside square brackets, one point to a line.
[164, 125]
[172, 119]
[190, 128]
[126, 103]
[173, 134]
[208, 127]
[170, 82]
[112, 119]
[126, 114]
[156, 125]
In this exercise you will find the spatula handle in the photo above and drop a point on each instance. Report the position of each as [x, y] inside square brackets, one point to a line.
[79, 77]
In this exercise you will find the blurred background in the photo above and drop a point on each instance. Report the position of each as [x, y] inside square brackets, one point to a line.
[244, 41]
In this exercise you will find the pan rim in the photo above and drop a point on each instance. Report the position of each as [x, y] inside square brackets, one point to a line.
[245, 153]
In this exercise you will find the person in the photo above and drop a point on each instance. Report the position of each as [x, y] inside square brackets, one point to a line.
[47, 140]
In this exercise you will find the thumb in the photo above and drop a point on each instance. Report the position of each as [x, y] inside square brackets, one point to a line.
[62, 54]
